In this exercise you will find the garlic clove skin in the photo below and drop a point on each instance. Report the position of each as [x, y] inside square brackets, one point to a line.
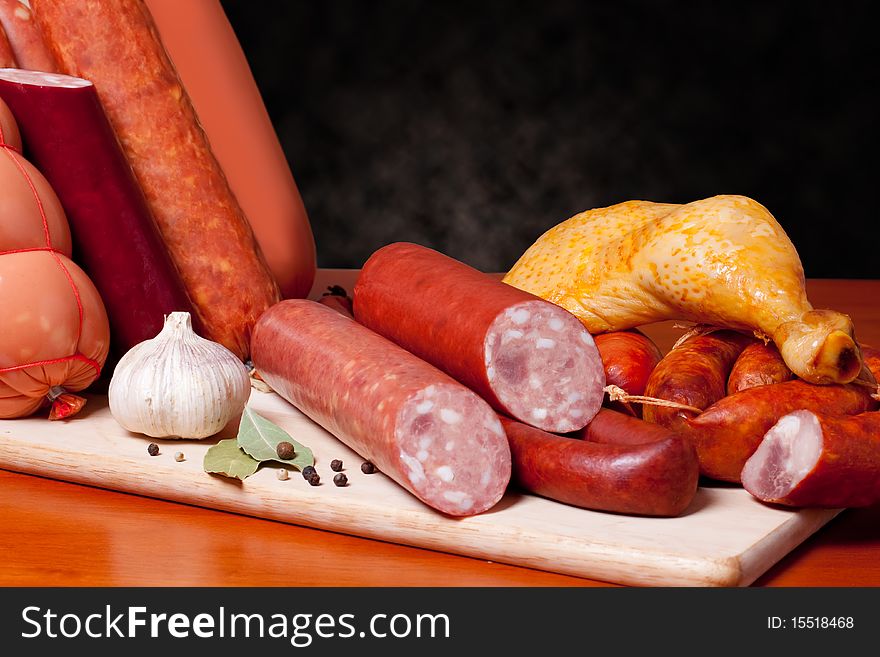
[178, 385]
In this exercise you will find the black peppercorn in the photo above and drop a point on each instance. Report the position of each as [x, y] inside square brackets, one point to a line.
[367, 467]
[336, 465]
[314, 479]
[340, 480]
[308, 471]
[152, 449]
[285, 450]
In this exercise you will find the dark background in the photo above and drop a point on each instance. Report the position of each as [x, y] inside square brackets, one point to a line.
[472, 127]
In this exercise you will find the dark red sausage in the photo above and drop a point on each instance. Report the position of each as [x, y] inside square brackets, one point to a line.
[694, 373]
[115, 237]
[527, 357]
[759, 364]
[614, 428]
[629, 357]
[657, 478]
[813, 459]
[727, 433]
[426, 431]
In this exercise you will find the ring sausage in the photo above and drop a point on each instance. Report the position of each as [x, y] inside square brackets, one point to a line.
[429, 433]
[759, 364]
[528, 358]
[694, 373]
[114, 45]
[657, 477]
[813, 459]
[629, 357]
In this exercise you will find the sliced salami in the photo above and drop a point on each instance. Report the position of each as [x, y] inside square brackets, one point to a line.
[426, 431]
[528, 358]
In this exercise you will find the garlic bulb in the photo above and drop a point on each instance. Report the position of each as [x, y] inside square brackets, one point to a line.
[178, 385]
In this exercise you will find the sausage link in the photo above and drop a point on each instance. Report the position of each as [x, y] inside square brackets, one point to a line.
[655, 478]
[810, 458]
[694, 373]
[114, 45]
[528, 358]
[25, 39]
[7, 59]
[727, 433]
[759, 364]
[628, 357]
[429, 433]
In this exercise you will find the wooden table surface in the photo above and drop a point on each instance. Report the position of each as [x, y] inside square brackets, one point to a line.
[60, 534]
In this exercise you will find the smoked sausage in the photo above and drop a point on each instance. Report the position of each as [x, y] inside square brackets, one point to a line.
[7, 60]
[629, 357]
[727, 433]
[25, 38]
[528, 358]
[429, 433]
[219, 82]
[809, 458]
[115, 238]
[657, 477]
[694, 373]
[114, 45]
[759, 364]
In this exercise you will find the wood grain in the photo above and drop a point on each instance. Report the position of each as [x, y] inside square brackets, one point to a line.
[65, 534]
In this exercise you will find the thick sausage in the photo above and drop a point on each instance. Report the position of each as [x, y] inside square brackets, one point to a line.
[727, 433]
[114, 45]
[7, 60]
[429, 433]
[655, 478]
[115, 238]
[25, 38]
[9, 134]
[529, 358]
[629, 357]
[219, 82]
[694, 373]
[813, 459]
[759, 364]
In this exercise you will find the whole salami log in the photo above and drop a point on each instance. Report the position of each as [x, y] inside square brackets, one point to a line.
[529, 358]
[217, 78]
[7, 60]
[727, 433]
[629, 357]
[694, 373]
[656, 477]
[809, 458]
[114, 44]
[429, 433]
[115, 238]
[759, 364]
[25, 38]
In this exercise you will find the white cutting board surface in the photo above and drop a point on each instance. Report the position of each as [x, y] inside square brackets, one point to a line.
[725, 538]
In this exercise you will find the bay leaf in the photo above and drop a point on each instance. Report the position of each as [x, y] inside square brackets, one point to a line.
[227, 458]
[259, 438]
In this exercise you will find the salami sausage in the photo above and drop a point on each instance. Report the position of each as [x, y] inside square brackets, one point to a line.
[694, 373]
[25, 38]
[115, 238]
[629, 357]
[657, 477]
[727, 433]
[7, 60]
[429, 433]
[114, 45]
[217, 78]
[759, 364]
[529, 358]
[809, 458]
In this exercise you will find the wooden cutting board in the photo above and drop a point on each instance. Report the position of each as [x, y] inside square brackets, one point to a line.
[725, 538]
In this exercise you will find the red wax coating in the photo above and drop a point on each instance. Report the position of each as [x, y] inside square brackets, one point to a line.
[116, 241]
